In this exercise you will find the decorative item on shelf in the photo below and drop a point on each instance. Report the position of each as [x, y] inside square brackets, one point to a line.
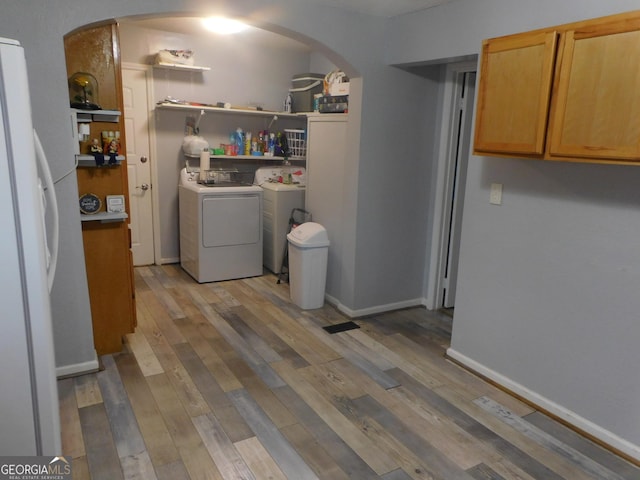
[83, 91]
[90, 204]
[96, 150]
[115, 203]
[111, 142]
[95, 146]
[111, 145]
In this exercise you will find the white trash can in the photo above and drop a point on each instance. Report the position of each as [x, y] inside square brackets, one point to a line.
[308, 251]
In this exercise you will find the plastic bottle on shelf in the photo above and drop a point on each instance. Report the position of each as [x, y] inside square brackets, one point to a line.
[239, 141]
[247, 143]
[272, 144]
[287, 178]
[288, 102]
[204, 164]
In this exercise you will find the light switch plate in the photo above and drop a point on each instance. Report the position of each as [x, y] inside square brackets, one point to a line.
[495, 197]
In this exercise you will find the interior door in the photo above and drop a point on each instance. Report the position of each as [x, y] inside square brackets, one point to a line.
[460, 153]
[136, 121]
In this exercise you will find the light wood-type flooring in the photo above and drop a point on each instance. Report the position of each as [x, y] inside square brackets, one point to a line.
[231, 380]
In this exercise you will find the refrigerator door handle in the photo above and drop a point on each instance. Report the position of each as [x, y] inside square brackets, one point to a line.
[49, 195]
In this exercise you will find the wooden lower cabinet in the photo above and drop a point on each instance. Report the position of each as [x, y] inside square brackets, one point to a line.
[109, 276]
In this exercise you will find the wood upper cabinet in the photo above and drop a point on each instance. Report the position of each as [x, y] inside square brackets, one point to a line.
[596, 111]
[515, 87]
[565, 93]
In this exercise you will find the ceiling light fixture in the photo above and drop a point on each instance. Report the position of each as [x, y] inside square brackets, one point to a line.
[224, 26]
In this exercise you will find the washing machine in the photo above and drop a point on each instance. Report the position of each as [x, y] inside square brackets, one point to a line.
[220, 229]
[279, 200]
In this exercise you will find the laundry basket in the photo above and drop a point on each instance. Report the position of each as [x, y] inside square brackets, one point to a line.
[297, 142]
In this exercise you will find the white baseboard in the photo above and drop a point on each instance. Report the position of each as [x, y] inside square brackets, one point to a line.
[363, 312]
[164, 261]
[78, 368]
[570, 417]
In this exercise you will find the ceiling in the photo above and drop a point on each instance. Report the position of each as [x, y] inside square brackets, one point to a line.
[378, 8]
[193, 26]
[384, 8]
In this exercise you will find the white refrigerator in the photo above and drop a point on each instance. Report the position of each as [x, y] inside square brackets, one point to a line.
[29, 416]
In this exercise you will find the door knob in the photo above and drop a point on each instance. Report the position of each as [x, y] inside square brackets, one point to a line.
[143, 159]
[144, 187]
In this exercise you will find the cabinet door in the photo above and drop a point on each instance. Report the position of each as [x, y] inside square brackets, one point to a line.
[595, 111]
[514, 93]
[109, 276]
[325, 196]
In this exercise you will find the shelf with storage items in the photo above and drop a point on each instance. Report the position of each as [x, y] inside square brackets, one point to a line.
[247, 119]
[229, 111]
[563, 93]
[179, 67]
[90, 161]
[242, 157]
[99, 117]
[112, 116]
[106, 235]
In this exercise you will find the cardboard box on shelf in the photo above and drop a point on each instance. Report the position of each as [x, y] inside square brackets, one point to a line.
[339, 89]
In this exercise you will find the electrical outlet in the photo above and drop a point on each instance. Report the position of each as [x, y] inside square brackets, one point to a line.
[495, 197]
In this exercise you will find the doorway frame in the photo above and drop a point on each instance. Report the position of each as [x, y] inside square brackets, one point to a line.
[151, 127]
[444, 183]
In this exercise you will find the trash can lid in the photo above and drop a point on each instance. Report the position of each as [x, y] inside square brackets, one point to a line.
[309, 235]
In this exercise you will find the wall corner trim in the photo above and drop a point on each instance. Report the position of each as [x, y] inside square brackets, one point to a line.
[76, 369]
[363, 312]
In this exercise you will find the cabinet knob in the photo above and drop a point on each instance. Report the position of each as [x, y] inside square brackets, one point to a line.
[144, 187]
[143, 159]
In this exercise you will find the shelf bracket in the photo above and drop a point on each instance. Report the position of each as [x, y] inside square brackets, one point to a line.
[196, 128]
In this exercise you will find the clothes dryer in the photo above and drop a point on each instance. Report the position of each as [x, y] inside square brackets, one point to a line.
[220, 229]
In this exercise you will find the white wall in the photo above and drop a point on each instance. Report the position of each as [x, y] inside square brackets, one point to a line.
[547, 299]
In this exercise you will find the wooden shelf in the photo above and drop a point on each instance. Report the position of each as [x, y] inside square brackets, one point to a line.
[245, 157]
[104, 217]
[184, 68]
[89, 161]
[85, 116]
[229, 111]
